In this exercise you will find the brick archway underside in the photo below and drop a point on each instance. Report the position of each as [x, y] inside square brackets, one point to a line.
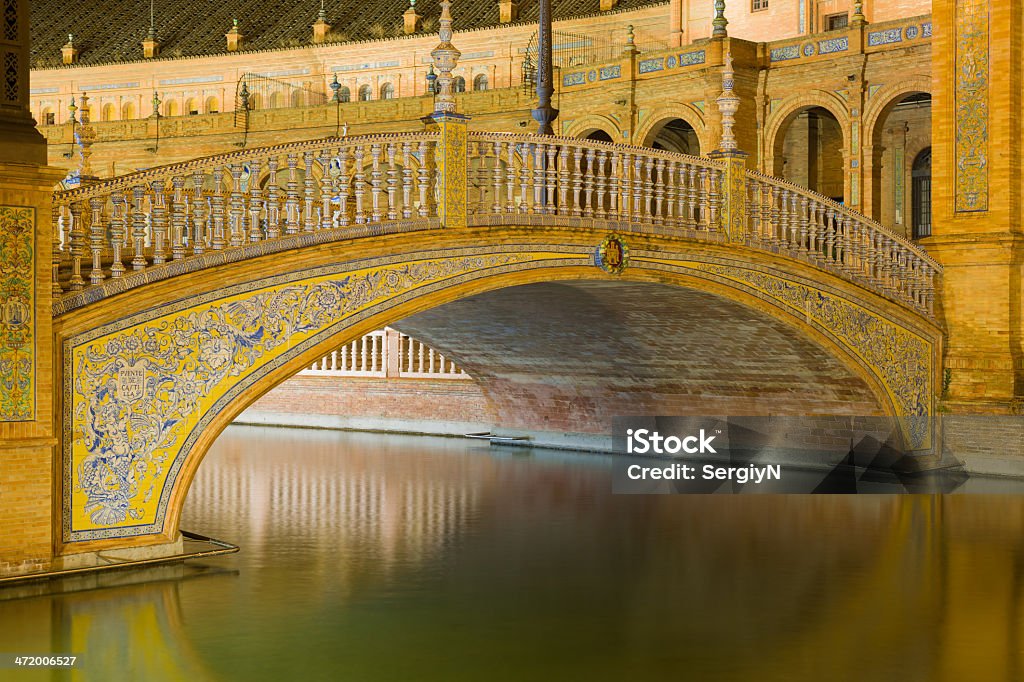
[570, 356]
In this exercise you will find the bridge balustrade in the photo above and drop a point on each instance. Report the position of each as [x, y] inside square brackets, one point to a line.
[229, 203]
[385, 353]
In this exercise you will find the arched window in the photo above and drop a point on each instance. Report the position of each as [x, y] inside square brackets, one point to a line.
[47, 117]
[192, 106]
[344, 94]
[127, 111]
[365, 93]
[171, 108]
[459, 85]
[276, 100]
[212, 105]
[297, 99]
[480, 82]
[255, 101]
[108, 112]
[387, 91]
[921, 194]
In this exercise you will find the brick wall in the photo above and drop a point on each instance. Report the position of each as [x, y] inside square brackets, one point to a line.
[422, 405]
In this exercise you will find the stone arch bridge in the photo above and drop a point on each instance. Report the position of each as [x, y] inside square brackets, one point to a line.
[183, 293]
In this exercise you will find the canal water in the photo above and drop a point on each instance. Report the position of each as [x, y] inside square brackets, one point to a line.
[372, 557]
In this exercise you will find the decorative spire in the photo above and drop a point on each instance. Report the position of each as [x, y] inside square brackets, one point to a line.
[858, 18]
[335, 88]
[321, 28]
[720, 22]
[151, 45]
[445, 56]
[234, 37]
[69, 53]
[411, 19]
[728, 103]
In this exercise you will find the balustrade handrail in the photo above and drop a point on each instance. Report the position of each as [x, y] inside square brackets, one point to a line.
[632, 150]
[232, 200]
[850, 213]
[129, 180]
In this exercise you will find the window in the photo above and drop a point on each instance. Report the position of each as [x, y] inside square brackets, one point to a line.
[127, 111]
[365, 93]
[480, 82]
[459, 85]
[921, 194]
[107, 112]
[212, 105]
[344, 94]
[387, 91]
[192, 107]
[758, 5]
[834, 22]
[49, 118]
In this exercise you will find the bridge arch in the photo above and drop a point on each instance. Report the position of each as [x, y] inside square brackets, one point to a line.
[194, 362]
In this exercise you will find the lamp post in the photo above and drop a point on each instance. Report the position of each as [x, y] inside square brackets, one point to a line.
[156, 115]
[544, 114]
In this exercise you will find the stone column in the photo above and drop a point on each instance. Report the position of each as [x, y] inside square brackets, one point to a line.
[26, 349]
[977, 133]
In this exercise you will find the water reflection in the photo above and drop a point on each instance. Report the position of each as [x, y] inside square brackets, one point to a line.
[371, 557]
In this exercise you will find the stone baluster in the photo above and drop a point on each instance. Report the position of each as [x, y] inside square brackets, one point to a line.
[551, 178]
[57, 211]
[802, 226]
[423, 178]
[564, 180]
[640, 183]
[291, 202]
[659, 191]
[588, 183]
[407, 181]
[794, 222]
[784, 219]
[179, 217]
[255, 202]
[325, 190]
[273, 199]
[199, 235]
[539, 151]
[138, 227]
[97, 233]
[217, 217]
[524, 178]
[309, 194]
[614, 184]
[510, 177]
[756, 211]
[376, 183]
[694, 190]
[626, 183]
[360, 183]
[601, 184]
[76, 244]
[708, 199]
[832, 243]
[392, 182]
[118, 225]
[497, 177]
[236, 203]
[649, 182]
[577, 181]
[158, 222]
[344, 185]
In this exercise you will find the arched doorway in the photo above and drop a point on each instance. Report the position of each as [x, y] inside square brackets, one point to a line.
[900, 135]
[598, 135]
[674, 135]
[921, 195]
[809, 152]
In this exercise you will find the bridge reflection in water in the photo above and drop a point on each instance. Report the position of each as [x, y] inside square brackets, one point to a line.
[395, 558]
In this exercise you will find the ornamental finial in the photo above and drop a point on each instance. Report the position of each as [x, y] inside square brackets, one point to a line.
[445, 57]
[728, 103]
[719, 22]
